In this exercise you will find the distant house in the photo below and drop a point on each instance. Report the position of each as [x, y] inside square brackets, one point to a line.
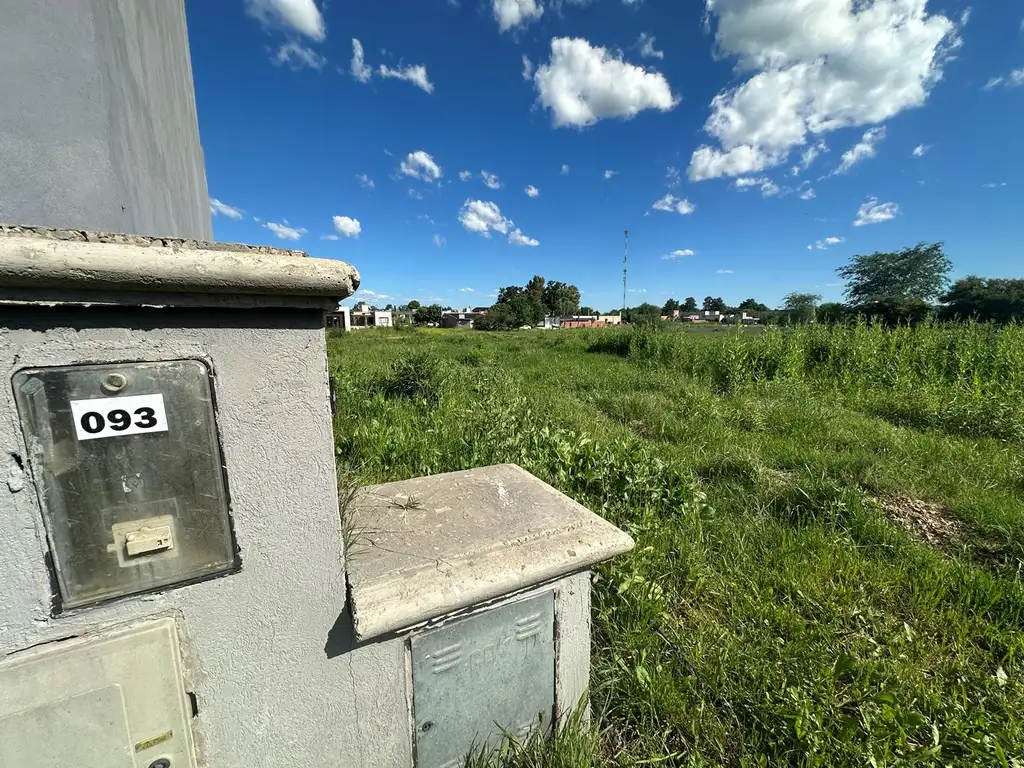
[741, 318]
[610, 319]
[339, 318]
[462, 318]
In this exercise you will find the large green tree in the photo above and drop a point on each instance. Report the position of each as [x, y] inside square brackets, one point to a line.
[711, 304]
[670, 306]
[561, 299]
[989, 299]
[690, 304]
[918, 273]
[428, 314]
[801, 306]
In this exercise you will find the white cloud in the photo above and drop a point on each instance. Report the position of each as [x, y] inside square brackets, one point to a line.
[808, 156]
[638, 290]
[582, 84]
[465, 175]
[862, 150]
[814, 66]
[417, 75]
[609, 174]
[491, 180]
[725, 271]
[420, 165]
[438, 241]
[299, 16]
[1014, 79]
[671, 177]
[298, 56]
[994, 185]
[527, 68]
[921, 149]
[822, 245]
[874, 212]
[647, 49]
[678, 254]
[343, 225]
[483, 218]
[565, 170]
[217, 208]
[365, 181]
[486, 217]
[768, 187]
[467, 290]
[415, 194]
[672, 204]
[532, 191]
[284, 231]
[518, 238]
[512, 13]
[806, 194]
[358, 68]
[328, 237]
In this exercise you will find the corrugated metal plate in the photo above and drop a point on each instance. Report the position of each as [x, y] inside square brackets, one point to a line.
[478, 675]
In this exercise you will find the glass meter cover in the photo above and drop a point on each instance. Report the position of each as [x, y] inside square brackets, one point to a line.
[129, 473]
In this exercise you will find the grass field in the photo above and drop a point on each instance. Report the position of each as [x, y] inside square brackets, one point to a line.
[829, 525]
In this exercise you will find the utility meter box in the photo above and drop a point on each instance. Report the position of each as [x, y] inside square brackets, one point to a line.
[481, 579]
[114, 701]
[129, 475]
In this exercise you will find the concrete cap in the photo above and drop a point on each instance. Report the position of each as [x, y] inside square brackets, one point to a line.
[433, 545]
[46, 260]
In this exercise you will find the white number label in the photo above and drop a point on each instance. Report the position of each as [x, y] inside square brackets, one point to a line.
[116, 416]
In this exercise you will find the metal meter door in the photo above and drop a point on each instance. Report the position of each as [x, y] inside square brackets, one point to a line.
[480, 675]
[129, 474]
[111, 701]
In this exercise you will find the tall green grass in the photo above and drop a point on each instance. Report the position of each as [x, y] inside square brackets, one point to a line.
[771, 614]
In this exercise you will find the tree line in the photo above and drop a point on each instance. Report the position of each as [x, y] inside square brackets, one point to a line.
[910, 285]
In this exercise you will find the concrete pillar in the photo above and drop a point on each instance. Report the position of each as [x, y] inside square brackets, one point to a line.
[98, 126]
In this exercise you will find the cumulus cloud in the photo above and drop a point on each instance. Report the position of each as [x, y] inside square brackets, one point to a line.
[465, 175]
[486, 217]
[768, 187]
[518, 238]
[217, 208]
[415, 194]
[299, 16]
[582, 84]
[647, 49]
[671, 177]
[822, 245]
[862, 150]
[993, 185]
[420, 165]
[365, 181]
[285, 231]
[328, 237]
[438, 241]
[874, 212]
[678, 254]
[417, 75]
[343, 225]
[513, 13]
[298, 56]
[808, 156]
[672, 204]
[921, 149]
[814, 66]
[359, 70]
[725, 271]
[491, 180]
[467, 290]
[609, 174]
[806, 194]
[532, 191]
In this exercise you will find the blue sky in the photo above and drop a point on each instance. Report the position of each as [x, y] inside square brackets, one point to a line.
[756, 144]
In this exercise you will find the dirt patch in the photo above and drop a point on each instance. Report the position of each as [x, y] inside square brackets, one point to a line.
[932, 523]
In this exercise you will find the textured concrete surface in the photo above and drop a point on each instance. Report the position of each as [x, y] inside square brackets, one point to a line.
[103, 262]
[433, 545]
[270, 690]
[98, 128]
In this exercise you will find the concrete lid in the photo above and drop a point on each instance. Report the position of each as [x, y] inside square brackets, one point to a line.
[433, 545]
[48, 260]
